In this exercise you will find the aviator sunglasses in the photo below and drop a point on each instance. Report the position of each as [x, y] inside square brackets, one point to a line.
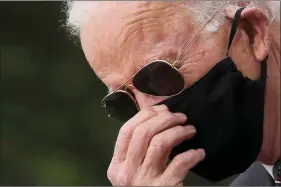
[157, 78]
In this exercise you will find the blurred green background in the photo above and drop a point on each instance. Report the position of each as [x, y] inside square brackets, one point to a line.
[53, 131]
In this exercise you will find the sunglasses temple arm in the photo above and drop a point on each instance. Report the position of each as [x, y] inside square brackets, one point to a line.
[123, 84]
[202, 27]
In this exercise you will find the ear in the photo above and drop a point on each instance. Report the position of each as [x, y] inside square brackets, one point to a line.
[256, 25]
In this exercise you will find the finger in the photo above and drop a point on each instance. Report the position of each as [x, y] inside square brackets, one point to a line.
[128, 128]
[181, 164]
[161, 146]
[146, 131]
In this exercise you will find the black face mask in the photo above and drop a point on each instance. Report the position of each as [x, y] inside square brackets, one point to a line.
[227, 109]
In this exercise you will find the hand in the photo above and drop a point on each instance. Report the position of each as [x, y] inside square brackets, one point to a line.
[143, 147]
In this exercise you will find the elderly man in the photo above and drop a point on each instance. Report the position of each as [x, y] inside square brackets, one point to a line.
[196, 82]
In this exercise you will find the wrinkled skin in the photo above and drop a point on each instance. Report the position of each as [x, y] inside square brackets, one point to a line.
[123, 36]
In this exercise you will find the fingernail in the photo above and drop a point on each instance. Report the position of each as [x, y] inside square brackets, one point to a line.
[159, 108]
[181, 115]
[190, 127]
[201, 152]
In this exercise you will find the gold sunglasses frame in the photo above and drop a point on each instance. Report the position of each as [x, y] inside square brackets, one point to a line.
[124, 90]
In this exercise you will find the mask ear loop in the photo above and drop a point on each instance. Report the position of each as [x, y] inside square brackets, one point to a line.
[234, 27]
[231, 37]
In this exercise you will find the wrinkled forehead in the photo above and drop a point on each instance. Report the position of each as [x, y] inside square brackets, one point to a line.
[133, 32]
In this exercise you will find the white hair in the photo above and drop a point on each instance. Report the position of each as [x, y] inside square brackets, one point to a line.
[78, 12]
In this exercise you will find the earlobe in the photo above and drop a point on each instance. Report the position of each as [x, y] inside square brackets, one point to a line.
[256, 25]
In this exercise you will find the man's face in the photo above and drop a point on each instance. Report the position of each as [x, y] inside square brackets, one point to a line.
[124, 36]
[121, 37]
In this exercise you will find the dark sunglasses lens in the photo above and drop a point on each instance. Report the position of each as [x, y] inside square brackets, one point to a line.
[159, 79]
[120, 105]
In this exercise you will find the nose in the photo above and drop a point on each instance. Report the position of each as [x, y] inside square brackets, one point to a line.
[145, 100]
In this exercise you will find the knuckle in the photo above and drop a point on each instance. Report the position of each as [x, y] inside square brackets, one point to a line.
[148, 112]
[125, 130]
[160, 143]
[178, 159]
[123, 179]
[161, 107]
[112, 171]
[183, 158]
[168, 116]
[110, 174]
[142, 132]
